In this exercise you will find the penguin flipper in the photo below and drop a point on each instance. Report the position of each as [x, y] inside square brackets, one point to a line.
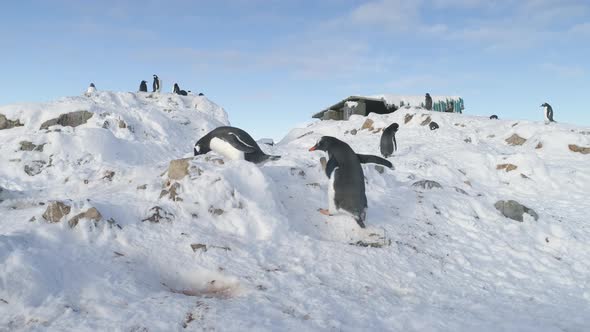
[368, 158]
[237, 143]
[330, 166]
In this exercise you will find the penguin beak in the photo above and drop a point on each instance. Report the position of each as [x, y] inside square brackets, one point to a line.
[313, 148]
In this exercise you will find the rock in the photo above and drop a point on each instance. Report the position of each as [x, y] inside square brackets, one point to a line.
[298, 171]
[575, 148]
[72, 119]
[178, 168]
[142, 187]
[380, 169]
[172, 192]
[368, 124]
[461, 191]
[122, 124]
[514, 210]
[215, 211]
[507, 167]
[426, 184]
[353, 132]
[198, 246]
[408, 118]
[539, 145]
[108, 175]
[159, 214]
[55, 211]
[35, 167]
[314, 185]
[5, 123]
[26, 146]
[467, 140]
[90, 214]
[515, 140]
[426, 121]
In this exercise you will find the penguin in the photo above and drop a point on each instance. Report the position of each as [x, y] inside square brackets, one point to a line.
[178, 91]
[548, 113]
[201, 94]
[428, 102]
[233, 143]
[346, 191]
[143, 86]
[433, 125]
[388, 143]
[156, 84]
[91, 89]
[494, 117]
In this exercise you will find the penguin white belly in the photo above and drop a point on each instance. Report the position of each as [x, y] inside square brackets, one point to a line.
[91, 89]
[546, 114]
[332, 193]
[225, 149]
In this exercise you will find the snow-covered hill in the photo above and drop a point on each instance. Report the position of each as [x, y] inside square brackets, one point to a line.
[213, 244]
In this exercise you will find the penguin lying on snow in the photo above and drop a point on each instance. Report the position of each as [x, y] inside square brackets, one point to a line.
[388, 143]
[548, 112]
[433, 125]
[232, 143]
[346, 192]
[178, 91]
[143, 86]
[494, 117]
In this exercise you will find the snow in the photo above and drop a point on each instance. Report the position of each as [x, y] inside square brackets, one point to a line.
[449, 262]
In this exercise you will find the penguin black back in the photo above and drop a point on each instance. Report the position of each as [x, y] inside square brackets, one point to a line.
[494, 117]
[143, 86]
[388, 143]
[433, 125]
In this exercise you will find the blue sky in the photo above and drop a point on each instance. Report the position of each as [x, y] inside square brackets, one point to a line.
[273, 63]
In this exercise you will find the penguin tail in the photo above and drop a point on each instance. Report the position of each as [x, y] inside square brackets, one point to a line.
[274, 157]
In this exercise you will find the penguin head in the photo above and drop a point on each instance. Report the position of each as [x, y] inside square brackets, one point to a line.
[544, 105]
[155, 76]
[323, 144]
[143, 82]
[427, 94]
[201, 148]
[92, 85]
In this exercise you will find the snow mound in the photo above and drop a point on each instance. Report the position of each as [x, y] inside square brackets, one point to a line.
[229, 245]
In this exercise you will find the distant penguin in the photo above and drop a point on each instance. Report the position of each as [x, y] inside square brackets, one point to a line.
[178, 91]
[143, 86]
[201, 94]
[548, 112]
[433, 125]
[91, 89]
[156, 84]
[346, 192]
[232, 143]
[428, 102]
[388, 143]
[494, 117]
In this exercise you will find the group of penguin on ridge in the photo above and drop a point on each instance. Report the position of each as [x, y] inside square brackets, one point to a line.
[346, 190]
[156, 87]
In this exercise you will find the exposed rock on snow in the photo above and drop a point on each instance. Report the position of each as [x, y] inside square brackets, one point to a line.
[55, 211]
[178, 168]
[72, 119]
[6, 123]
[35, 167]
[29, 146]
[426, 121]
[515, 140]
[90, 214]
[408, 117]
[507, 167]
[368, 124]
[426, 184]
[582, 150]
[158, 214]
[514, 210]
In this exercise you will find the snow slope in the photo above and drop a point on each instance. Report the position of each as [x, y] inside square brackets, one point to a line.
[242, 247]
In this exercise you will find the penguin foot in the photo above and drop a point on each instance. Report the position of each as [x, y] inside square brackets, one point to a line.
[324, 212]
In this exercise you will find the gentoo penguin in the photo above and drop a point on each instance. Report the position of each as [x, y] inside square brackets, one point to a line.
[548, 113]
[156, 83]
[428, 102]
[346, 192]
[433, 125]
[232, 143]
[91, 89]
[178, 91]
[388, 143]
[143, 86]
[494, 117]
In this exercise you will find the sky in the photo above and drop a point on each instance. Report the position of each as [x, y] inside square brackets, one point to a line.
[272, 64]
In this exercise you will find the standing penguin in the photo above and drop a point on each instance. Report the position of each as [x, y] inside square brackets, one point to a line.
[548, 112]
[91, 89]
[143, 86]
[156, 83]
[494, 117]
[178, 91]
[428, 102]
[346, 192]
[388, 143]
[232, 143]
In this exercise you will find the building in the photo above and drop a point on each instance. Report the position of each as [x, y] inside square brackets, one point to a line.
[384, 104]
